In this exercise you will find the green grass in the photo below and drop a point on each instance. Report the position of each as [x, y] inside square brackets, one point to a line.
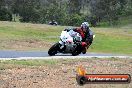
[121, 22]
[26, 30]
[30, 62]
[112, 40]
[107, 40]
[8, 64]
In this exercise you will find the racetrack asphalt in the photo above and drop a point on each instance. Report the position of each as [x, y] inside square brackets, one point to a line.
[9, 54]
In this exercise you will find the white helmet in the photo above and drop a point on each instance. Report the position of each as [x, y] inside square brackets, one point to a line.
[85, 25]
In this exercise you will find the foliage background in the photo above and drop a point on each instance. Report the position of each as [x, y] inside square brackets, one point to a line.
[66, 12]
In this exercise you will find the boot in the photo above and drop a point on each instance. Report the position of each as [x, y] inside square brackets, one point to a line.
[84, 50]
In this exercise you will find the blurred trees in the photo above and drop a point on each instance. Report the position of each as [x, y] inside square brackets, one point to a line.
[66, 12]
[5, 13]
[110, 10]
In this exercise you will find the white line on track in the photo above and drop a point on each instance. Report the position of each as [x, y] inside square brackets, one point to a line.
[66, 57]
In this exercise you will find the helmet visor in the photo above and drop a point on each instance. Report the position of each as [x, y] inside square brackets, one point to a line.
[84, 26]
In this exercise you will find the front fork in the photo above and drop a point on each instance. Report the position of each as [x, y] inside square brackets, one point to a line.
[62, 44]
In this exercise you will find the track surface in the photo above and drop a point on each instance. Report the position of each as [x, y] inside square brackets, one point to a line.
[44, 54]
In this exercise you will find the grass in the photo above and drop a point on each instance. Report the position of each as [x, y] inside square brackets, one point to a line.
[121, 22]
[26, 30]
[8, 64]
[107, 40]
[112, 41]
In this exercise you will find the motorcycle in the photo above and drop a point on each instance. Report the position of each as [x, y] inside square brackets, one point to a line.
[70, 42]
[53, 23]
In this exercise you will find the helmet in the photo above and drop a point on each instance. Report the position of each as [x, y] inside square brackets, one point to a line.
[85, 25]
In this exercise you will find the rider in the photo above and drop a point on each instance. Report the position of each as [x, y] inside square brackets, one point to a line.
[87, 35]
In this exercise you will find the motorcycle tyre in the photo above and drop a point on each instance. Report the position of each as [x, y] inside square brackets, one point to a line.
[53, 50]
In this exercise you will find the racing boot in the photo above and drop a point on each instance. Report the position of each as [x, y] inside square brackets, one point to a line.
[84, 50]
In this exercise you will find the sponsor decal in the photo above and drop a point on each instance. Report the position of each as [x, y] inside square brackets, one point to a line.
[83, 78]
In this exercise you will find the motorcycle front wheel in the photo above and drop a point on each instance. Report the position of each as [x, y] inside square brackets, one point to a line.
[53, 50]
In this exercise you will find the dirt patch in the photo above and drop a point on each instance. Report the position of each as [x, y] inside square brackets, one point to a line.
[30, 44]
[62, 75]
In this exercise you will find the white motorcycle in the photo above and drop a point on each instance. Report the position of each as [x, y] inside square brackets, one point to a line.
[70, 42]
